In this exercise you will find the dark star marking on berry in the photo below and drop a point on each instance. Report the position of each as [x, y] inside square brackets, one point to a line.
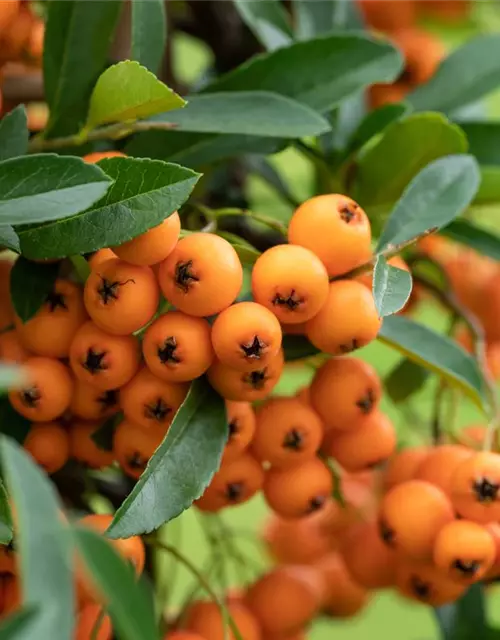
[293, 440]
[158, 411]
[108, 289]
[55, 301]
[184, 276]
[486, 490]
[467, 567]
[166, 352]
[367, 402]
[256, 379]
[253, 350]
[292, 301]
[387, 534]
[137, 461]
[108, 399]
[316, 503]
[420, 588]
[30, 397]
[234, 491]
[233, 428]
[348, 212]
[94, 361]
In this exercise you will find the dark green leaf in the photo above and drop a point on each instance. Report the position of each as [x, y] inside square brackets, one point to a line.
[30, 284]
[297, 347]
[439, 193]
[468, 74]
[262, 167]
[467, 233]
[14, 134]
[103, 435]
[317, 17]
[484, 141]
[5, 517]
[258, 113]
[128, 601]
[267, 20]
[77, 40]
[149, 33]
[181, 468]
[375, 122]
[20, 625]
[127, 91]
[45, 187]
[391, 287]
[144, 193]
[464, 619]
[45, 550]
[9, 238]
[11, 423]
[489, 190]
[406, 147]
[404, 380]
[437, 353]
[320, 72]
[11, 376]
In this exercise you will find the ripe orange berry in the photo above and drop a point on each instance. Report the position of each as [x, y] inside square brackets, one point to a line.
[50, 332]
[6, 309]
[101, 256]
[47, 394]
[246, 336]
[285, 599]
[120, 297]
[151, 403]
[8, 11]
[493, 529]
[440, 464]
[184, 635]
[411, 516]
[344, 596]
[100, 155]
[335, 228]
[241, 420]
[288, 433]
[8, 562]
[90, 403]
[473, 436]
[343, 391]
[464, 550]
[403, 465]
[304, 395]
[422, 51]
[11, 349]
[475, 488]
[178, 347]
[102, 360]
[35, 44]
[16, 37]
[134, 446]
[12, 596]
[153, 246]
[366, 445]
[202, 276]
[291, 282]
[246, 386]
[48, 444]
[299, 490]
[88, 618]
[388, 15]
[204, 619]
[235, 482]
[427, 584]
[84, 449]
[347, 321]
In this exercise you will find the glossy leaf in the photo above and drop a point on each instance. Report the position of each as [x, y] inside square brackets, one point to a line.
[128, 91]
[182, 466]
[466, 618]
[439, 193]
[127, 599]
[467, 74]
[45, 550]
[9, 238]
[144, 193]
[391, 287]
[45, 187]
[404, 380]
[406, 147]
[375, 122]
[20, 625]
[77, 40]
[12, 424]
[469, 234]
[149, 33]
[437, 353]
[484, 141]
[267, 20]
[30, 284]
[5, 517]
[14, 134]
[258, 113]
[316, 17]
[12, 376]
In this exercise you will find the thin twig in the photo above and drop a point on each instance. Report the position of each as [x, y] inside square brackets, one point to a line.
[94, 634]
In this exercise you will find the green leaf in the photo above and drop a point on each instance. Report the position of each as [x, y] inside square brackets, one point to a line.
[406, 147]
[149, 33]
[127, 599]
[375, 122]
[320, 73]
[144, 193]
[317, 17]
[297, 347]
[11, 376]
[466, 75]
[404, 380]
[9, 238]
[30, 284]
[489, 189]
[439, 193]
[45, 550]
[12, 424]
[126, 92]
[267, 20]
[20, 625]
[258, 113]
[391, 287]
[467, 233]
[181, 468]
[14, 134]
[78, 37]
[5, 516]
[45, 187]
[484, 141]
[464, 619]
[260, 166]
[435, 352]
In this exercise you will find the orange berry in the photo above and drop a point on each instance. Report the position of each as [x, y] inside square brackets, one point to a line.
[381, 93]
[8, 562]
[440, 464]
[12, 596]
[347, 321]
[37, 36]
[427, 584]
[101, 256]
[291, 282]
[475, 488]
[388, 15]
[422, 51]
[184, 635]
[11, 349]
[241, 420]
[246, 386]
[246, 336]
[101, 155]
[51, 330]
[153, 246]
[6, 309]
[88, 618]
[8, 12]
[299, 490]
[204, 619]
[473, 436]
[48, 444]
[102, 360]
[493, 529]
[16, 38]
[178, 347]
[304, 395]
[335, 228]
[288, 433]
[202, 276]
[83, 448]
[151, 403]
[134, 446]
[121, 297]
[90, 403]
[343, 391]
[403, 465]
[344, 596]
[47, 394]
[411, 516]
[366, 445]
[449, 11]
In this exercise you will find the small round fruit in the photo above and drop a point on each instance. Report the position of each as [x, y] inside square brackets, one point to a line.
[475, 488]
[83, 448]
[11, 348]
[133, 446]
[241, 421]
[426, 584]
[440, 464]
[90, 616]
[344, 597]
[204, 620]
[403, 465]
[90, 403]
[48, 444]
[103, 255]
[153, 246]
[6, 308]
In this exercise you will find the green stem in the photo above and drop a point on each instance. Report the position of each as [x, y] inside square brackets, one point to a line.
[81, 267]
[94, 635]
